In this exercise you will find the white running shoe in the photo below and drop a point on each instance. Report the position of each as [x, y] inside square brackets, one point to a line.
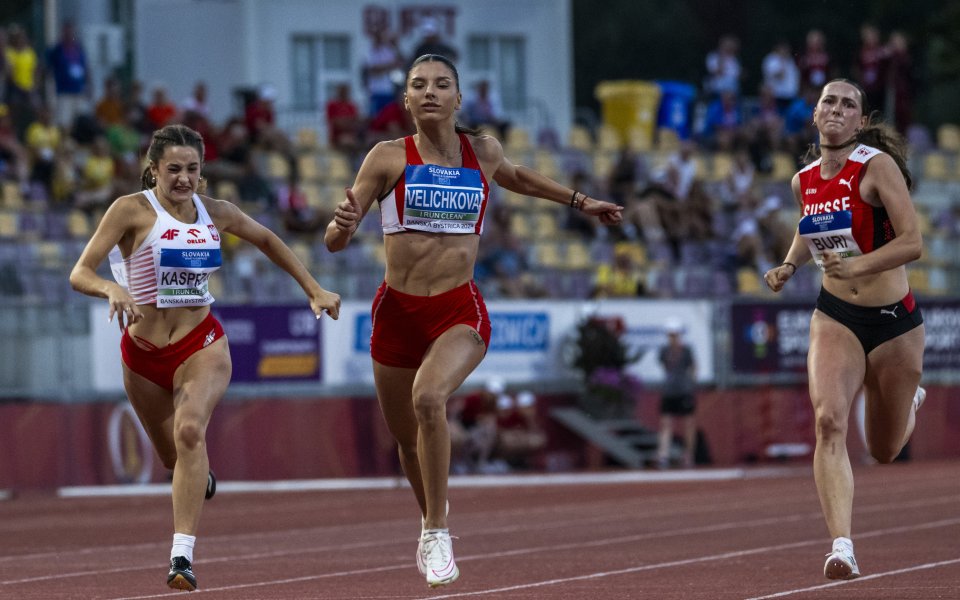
[438, 555]
[421, 561]
[918, 398]
[841, 563]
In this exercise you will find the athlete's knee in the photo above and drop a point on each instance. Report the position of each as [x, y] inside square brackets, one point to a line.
[830, 422]
[188, 432]
[430, 407]
[884, 453]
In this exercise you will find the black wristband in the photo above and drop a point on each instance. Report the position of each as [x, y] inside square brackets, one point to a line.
[790, 264]
[573, 199]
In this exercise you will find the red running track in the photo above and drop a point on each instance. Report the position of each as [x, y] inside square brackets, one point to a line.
[754, 537]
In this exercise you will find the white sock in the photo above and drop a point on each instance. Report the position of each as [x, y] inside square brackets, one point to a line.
[183, 546]
[843, 543]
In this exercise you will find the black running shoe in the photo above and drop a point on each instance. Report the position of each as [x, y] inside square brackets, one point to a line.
[181, 575]
[211, 485]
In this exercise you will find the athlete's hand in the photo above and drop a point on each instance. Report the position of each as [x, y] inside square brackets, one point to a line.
[836, 267]
[348, 213]
[323, 301]
[777, 276]
[122, 305]
[607, 212]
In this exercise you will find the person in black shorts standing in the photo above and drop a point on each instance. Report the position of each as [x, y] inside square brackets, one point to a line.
[678, 395]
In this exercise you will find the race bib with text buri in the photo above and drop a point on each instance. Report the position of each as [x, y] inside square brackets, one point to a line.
[442, 199]
[829, 232]
[184, 276]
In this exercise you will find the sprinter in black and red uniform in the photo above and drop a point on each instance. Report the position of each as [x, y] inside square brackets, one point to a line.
[430, 325]
[859, 225]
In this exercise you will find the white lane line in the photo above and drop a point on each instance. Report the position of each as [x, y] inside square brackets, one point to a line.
[709, 558]
[912, 569]
[606, 542]
[457, 481]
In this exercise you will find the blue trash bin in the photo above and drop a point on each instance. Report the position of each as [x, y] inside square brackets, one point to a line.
[676, 106]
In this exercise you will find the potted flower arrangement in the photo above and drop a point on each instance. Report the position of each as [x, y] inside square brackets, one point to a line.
[602, 357]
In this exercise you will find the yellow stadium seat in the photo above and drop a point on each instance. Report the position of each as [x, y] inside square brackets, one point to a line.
[545, 226]
[578, 256]
[721, 166]
[935, 166]
[784, 166]
[579, 138]
[603, 163]
[547, 254]
[667, 140]
[78, 224]
[8, 225]
[748, 282]
[518, 140]
[338, 168]
[307, 167]
[307, 138]
[545, 164]
[948, 137]
[11, 196]
[608, 139]
[278, 167]
[639, 140]
[519, 226]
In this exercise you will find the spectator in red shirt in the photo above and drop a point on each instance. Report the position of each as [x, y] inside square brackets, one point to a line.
[343, 121]
[161, 111]
[393, 121]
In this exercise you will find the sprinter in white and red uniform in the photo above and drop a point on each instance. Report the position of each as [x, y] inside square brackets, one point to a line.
[430, 326]
[163, 243]
[859, 225]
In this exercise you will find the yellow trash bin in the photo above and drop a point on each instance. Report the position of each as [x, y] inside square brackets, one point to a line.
[630, 105]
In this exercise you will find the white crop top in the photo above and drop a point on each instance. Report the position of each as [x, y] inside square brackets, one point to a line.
[173, 265]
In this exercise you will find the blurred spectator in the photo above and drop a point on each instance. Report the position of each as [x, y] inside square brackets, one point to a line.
[14, 158]
[344, 124]
[295, 210]
[22, 86]
[431, 42]
[111, 109]
[137, 108]
[483, 109]
[798, 122]
[575, 221]
[475, 429]
[624, 278]
[764, 130]
[161, 111]
[781, 75]
[393, 121]
[43, 141]
[815, 65]
[68, 65]
[900, 82]
[4, 65]
[723, 67]
[678, 397]
[261, 119]
[196, 102]
[252, 186]
[66, 177]
[868, 66]
[384, 59]
[723, 121]
[501, 259]
[519, 434]
[95, 190]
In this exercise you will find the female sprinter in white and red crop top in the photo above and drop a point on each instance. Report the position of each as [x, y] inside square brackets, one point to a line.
[430, 325]
[163, 243]
[859, 225]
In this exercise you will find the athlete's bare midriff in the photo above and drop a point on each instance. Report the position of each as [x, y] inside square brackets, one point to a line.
[878, 289]
[164, 326]
[426, 264]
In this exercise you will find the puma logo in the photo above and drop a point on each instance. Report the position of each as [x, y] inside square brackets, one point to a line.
[892, 312]
[849, 184]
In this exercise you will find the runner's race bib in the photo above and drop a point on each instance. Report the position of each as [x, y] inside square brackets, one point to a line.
[831, 232]
[442, 199]
[184, 276]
